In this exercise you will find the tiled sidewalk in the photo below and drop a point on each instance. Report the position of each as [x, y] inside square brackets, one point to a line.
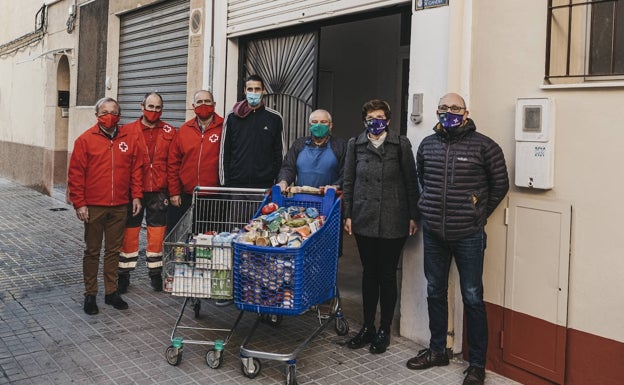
[45, 337]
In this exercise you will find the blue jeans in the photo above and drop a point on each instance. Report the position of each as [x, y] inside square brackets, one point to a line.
[468, 254]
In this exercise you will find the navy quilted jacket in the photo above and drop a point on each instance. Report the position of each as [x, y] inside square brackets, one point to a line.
[463, 178]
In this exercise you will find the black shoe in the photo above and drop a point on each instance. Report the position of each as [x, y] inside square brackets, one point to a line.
[156, 282]
[123, 281]
[363, 338]
[380, 343]
[426, 359]
[475, 376]
[115, 300]
[90, 307]
[224, 302]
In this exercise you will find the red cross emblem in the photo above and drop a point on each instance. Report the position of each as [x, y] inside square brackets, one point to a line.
[167, 128]
[213, 138]
[123, 146]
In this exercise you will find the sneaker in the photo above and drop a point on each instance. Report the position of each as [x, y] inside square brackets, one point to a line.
[426, 359]
[475, 376]
[90, 307]
[157, 283]
[115, 300]
[380, 343]
[123, 281]
[224, 302]
[364, 337]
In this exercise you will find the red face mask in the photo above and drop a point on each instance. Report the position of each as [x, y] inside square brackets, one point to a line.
[204, 111]
[152, 116]
[108, 120]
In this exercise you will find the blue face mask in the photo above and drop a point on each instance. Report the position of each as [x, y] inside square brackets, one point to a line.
[253, 98]
[450, 120]
[376, 126]
[319, 130]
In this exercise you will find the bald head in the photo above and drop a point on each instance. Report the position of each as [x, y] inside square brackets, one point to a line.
[452, 99]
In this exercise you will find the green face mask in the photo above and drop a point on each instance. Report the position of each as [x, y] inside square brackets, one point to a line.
[319, 130]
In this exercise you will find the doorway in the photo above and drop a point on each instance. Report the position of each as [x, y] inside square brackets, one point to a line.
[61, 122]
[339, 64]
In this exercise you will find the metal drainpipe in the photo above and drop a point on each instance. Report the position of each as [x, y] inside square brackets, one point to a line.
[450, 333]
[211, 58]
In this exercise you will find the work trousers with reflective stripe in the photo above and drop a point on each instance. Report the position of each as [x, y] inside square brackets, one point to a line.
[106, 223]
[154, 208]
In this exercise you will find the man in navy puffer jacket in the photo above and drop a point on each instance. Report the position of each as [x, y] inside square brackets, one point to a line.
[463, 178]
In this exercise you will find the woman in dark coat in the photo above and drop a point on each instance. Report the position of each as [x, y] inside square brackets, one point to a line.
[380, 200]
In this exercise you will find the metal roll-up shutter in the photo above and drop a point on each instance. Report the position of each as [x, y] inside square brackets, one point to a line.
[251, 16]
[153, 56]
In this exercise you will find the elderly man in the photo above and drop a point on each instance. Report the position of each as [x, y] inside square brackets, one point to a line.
[104, 170]
[454, 210]
[156, 137]
[194, 155]
[315, 160]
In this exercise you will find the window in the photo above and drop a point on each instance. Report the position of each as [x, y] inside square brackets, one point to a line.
[585, 41]
[92, 52]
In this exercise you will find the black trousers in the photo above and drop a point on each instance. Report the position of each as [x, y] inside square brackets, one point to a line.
[380, 259]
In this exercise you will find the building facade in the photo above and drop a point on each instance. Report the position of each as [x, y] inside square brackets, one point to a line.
[545, 79]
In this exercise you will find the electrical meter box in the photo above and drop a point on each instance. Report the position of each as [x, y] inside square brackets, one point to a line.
[535, 143]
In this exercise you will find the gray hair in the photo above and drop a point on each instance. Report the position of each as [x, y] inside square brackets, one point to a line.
[195, 95]
[147, 95]
[320, 110]
[106, 99]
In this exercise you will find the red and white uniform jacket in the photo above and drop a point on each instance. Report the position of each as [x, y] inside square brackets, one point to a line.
[194, 156]
[103, 171]
[156, 143]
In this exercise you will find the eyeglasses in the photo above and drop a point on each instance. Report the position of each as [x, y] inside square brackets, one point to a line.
[106, 112]
[453, 109]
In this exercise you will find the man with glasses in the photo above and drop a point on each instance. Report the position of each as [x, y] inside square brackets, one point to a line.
[463, 177]
[315, 160]
[156, 137]
[105, 174]
[194, 156]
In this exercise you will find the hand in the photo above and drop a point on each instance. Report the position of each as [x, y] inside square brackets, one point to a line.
[413, 227]
[330, 186]
[83, 214]
[347, 226]
[283, 185]
[136, 207]
[175, 200]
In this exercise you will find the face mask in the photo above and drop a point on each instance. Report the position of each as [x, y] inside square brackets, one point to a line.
[319, 130]
[152, 116]
[376, 126]
[253, 98]
[108, 121]
[450, 120]
[204, 111]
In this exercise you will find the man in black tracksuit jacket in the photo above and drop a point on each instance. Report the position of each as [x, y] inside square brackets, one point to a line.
[252, 141]
[463, 178]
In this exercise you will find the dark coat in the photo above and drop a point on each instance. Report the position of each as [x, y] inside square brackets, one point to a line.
[380, 190]
[463, 178]
[288, 172]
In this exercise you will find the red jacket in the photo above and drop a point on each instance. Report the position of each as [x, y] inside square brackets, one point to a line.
[156, 142]
[194, 157]
[103, 171]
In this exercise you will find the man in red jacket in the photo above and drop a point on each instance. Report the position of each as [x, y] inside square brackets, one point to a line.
[194, 155]
[104, 169]
[156, 137]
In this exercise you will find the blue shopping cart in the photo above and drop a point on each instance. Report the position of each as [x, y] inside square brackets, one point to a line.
[287, 281]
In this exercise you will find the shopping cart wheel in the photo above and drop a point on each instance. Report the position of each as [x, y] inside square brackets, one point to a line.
[341, 326]
[291, 375]
[214, 359]
[250, 367]
[273, 320]
[196, 302]
[173, 355]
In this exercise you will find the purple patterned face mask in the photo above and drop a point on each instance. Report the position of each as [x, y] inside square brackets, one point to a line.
[376, 126]
[450, 120]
